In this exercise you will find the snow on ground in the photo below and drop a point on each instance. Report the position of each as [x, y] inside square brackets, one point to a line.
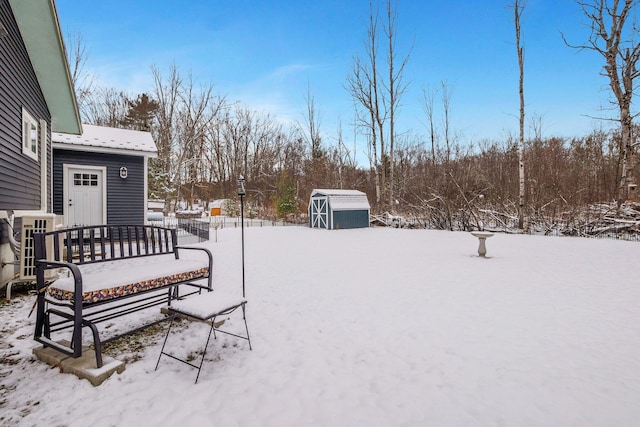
[375, 327]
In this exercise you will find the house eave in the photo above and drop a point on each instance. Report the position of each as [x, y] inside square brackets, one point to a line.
[103, 150]
[40, 29]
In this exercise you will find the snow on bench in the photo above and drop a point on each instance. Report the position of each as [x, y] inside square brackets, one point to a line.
[100, 283]
[208, 305]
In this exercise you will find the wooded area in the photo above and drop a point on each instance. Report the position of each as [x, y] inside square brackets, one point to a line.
[205, 142]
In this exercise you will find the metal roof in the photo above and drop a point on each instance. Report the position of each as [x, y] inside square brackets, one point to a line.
[343, 199]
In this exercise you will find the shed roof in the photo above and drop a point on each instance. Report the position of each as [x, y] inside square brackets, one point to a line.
[218, 203]
[344, 199]
[107, 140]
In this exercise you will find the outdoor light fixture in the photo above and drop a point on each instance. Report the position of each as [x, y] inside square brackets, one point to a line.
[241, 190]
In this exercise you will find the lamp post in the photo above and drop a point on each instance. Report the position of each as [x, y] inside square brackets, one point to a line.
[242, 192]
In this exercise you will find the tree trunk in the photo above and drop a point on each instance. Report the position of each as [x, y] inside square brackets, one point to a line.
[618, 44]
[518, 7]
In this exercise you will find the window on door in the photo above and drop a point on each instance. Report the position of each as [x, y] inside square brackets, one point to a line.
[85, 179]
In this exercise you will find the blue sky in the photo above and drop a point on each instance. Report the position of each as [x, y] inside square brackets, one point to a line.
[264, 53]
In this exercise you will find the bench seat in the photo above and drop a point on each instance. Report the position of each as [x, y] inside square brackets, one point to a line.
[113, 279]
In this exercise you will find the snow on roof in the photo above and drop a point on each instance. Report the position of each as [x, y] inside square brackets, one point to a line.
[108, 139]
[336, 192]
[344, 199]
[218, 203]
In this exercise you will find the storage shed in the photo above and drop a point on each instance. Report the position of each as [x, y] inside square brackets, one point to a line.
[338, 209]
[218, 207]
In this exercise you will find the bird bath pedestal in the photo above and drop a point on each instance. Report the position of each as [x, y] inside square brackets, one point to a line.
[482, 237]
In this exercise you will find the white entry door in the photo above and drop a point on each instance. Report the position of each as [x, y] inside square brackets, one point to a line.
[85, 196]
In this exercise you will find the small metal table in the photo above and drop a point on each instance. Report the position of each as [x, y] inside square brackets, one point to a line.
[206, 307]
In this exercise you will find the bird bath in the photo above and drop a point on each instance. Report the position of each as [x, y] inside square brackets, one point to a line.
[482, 237]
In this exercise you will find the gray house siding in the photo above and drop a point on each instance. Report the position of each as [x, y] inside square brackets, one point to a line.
[19, 174]
[125, 197]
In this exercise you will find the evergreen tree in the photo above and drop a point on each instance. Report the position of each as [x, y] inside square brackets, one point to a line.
[141, 112]
[286, 198]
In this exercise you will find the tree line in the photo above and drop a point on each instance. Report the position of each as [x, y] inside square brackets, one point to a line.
[206, 141]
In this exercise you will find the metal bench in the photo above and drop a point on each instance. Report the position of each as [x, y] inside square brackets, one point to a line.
[105, 272]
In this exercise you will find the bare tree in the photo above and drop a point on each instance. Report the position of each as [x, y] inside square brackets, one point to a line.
[518, 8]
[378, 115]
[106, 106]
[615, 39]
[362, 84]
[428, 99]
[377, 97]
[312, 124]
[446, 109]
[395, 88]
[167, 94]
[535, 126]
[83, 81]
[198, 109]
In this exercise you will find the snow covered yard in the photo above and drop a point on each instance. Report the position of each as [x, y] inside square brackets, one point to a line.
[375, 327]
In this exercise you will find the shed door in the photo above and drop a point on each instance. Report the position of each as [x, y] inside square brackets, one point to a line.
[85, 196]
[319, 213]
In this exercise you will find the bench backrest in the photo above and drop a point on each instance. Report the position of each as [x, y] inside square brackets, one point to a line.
[84, 245]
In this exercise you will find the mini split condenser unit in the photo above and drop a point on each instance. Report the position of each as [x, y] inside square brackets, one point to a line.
[31, 224]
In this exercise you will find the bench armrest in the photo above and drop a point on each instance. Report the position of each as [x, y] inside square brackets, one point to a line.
[191, 248]
[46, 264]
[209, 256]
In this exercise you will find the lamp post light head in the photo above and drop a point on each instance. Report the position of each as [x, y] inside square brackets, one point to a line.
[241, 189]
